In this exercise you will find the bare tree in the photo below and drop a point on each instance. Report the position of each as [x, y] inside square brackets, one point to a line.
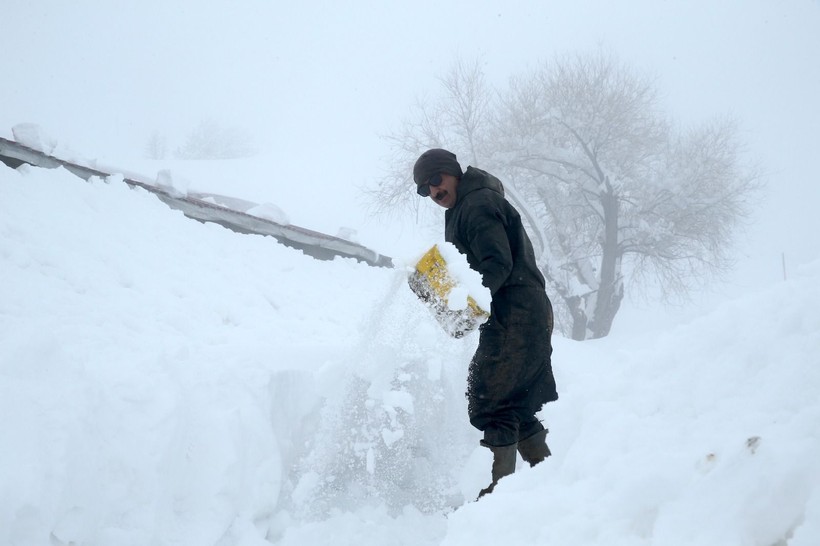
[458, 120]
[610, 189]
[616, 187]
[156, 147]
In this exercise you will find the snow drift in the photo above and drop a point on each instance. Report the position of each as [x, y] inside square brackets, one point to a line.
[164, 381]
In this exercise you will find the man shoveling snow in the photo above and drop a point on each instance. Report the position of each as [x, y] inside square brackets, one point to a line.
[510, 376]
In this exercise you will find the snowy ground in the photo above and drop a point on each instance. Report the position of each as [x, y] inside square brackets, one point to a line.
[168, 382]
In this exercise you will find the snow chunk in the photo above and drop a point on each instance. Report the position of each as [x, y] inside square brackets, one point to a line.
[468, 281]
[390, 437]
[457, 299]
[33, 136]
[176, 186]
[348, 234]
[115, 178]
[269, 211]
[398, 399]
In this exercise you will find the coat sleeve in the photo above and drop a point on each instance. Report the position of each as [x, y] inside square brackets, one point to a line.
[486, 238]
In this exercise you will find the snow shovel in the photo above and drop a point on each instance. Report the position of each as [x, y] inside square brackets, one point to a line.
[432, 283]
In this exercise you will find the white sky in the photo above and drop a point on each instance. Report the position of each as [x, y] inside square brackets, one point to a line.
[318, 82]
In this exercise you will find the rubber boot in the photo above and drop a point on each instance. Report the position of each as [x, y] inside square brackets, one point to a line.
[503, 465]
[534, 449]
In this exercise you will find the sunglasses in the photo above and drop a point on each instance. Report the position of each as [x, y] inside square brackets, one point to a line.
[424, 189]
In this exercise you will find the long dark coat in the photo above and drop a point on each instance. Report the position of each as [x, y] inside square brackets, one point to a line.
[510, 376]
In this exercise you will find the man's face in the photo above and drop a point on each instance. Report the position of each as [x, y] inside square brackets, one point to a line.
[445, 193]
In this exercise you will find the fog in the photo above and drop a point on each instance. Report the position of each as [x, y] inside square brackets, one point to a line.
[317, 84]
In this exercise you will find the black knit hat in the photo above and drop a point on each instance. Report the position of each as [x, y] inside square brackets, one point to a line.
[435, 161]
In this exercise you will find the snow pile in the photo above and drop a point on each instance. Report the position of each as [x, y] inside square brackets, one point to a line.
[164, 381]
[468, 281]
[139, 356]
[176, 186]
[707, 435]
[35, 137]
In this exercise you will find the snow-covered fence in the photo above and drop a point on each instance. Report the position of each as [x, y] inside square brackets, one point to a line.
[313, 243]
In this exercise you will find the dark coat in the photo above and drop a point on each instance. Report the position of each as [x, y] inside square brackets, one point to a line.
[512, 367]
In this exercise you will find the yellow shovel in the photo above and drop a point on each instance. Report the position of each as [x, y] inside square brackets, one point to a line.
[432, 283]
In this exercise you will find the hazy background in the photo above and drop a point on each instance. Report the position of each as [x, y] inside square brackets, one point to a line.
[316, 83]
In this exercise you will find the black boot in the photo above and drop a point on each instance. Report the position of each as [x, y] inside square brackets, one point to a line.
[503, 465]
[534, 449]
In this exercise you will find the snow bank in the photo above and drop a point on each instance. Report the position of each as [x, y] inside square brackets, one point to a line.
[165, 381]
[140, 352]
[707, 435]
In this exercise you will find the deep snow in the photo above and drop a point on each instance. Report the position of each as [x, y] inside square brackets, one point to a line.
[164, 381]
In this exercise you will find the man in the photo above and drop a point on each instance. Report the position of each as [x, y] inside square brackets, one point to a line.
[510, 375]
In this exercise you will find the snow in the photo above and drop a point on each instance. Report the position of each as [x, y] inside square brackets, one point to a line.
[35, 137]
[271, 212]
[165, 381]
[467, 281]
[175, 185]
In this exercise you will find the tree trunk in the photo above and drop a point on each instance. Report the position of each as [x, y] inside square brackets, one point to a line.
[579, 317]
[610, 291]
